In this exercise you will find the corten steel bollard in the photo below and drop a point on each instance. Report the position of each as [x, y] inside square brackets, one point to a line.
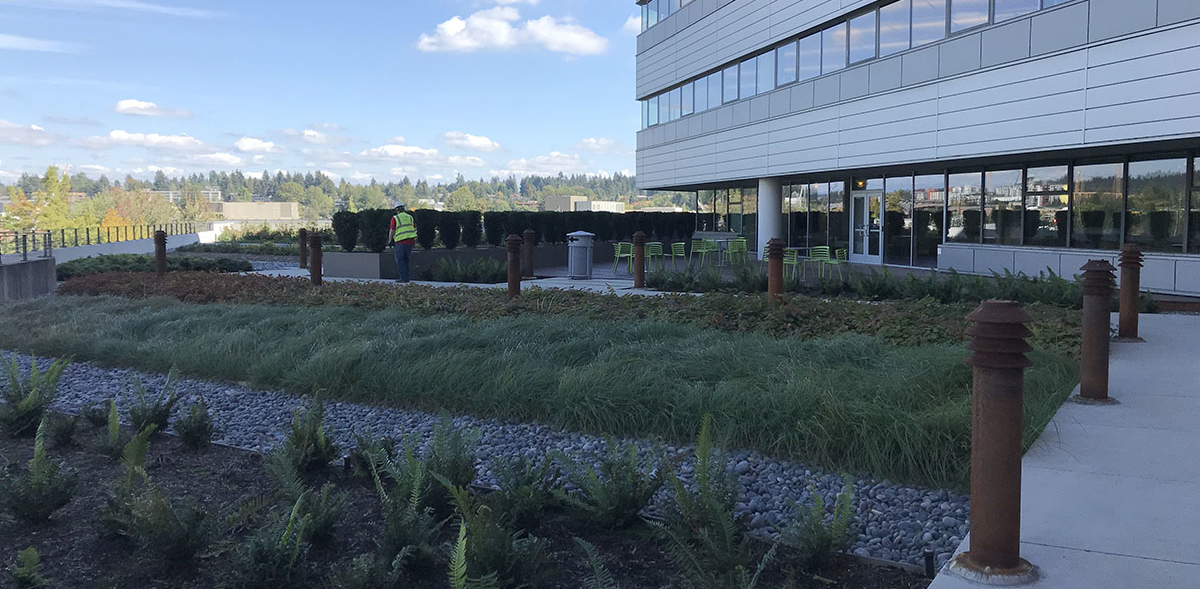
[775, 270]
[998, 361]
[1098, 282]
[303, 248]
[1131, 285]
[314, 258]
[160, 253]
[639, 259]
[527, 240]
[514, 265]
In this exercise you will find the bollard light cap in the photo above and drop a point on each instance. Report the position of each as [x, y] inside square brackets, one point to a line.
[999, 335]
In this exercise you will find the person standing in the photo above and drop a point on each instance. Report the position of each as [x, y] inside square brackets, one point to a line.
[404, 234]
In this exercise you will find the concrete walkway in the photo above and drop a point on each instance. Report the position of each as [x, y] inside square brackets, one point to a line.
[599, 284]
[1111, 494]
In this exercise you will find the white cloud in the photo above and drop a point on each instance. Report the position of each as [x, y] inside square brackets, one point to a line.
[399, 139]
[254, 145]
[632, 26]
[360, 176]
[18, 43]
[549, 164]
[468, 141]
[398, 152]
[131, 5]
[341, 165]
[598, 143]
[168, 170]
[83, 121]
[499, 28]
[121, 138]
[15, 134]
[505, 2]
[315, 137]
[465, 161]
[331, 127]
[332, 175]
[217, 159]
[95, 169]
[259, 158]
[399, 172]
[434, 177]
[8, 176]
[142, 108]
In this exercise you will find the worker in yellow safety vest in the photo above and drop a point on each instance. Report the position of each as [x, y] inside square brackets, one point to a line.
[404, 234]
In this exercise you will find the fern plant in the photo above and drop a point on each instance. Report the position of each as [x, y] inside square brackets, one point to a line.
[26, 399]
[458, 566]
[156, 411]
[367, 444]
[273, 558]
[528, 489]
[307, 445]
[63, 428]
[599, 577]
[170, 533]
[817, 535]
[613, 496]
[43, 488]
[112, 440]
[196, 429]
[25, 573]
[410, 526]
[322, 508]
[117, 515]
[493, 547]
[97, 415]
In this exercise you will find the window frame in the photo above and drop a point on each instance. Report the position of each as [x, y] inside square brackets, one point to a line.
[850, 36]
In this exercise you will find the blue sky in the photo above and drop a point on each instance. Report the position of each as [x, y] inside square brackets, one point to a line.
[355, 88]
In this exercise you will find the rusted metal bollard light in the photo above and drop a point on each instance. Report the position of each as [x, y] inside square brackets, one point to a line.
[527, 242]
[303, 248]
[1098, 282]
[998, 360]
[314, 255]
[639, 259]
[1131, 285]
[775, 270]
[514, 265]
[160, 253]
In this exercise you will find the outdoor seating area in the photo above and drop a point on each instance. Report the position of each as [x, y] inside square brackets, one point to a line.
[728, 250]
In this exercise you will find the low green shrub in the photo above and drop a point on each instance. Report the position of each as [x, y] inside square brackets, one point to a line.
[169, 533]
[274, 556]
[196, 429]
[63, 428]
[321, 508]
[599, 576]
[97, 415]
[257, 249]
[409, 538]
[480, 271]
[493, 547]
[142, 263]
[366, 445]
[154, 411]
[816, 535]
[26, 399]
[25, 573]
[345, 227]
[528, 489]
[266, 234]
[33, 495]
[614, 495]
[307, 445]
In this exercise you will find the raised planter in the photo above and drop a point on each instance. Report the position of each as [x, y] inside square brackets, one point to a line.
[383, 265]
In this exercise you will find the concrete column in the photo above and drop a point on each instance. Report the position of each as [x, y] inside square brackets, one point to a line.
[770, 213]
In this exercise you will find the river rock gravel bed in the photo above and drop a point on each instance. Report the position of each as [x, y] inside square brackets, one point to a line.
[895, 522]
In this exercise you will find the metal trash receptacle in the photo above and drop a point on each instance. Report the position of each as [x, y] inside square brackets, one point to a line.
[579, 254]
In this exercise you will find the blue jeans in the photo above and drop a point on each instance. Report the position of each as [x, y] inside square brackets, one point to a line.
[402, 253]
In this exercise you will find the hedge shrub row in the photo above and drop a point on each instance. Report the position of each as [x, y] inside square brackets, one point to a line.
[140, 263]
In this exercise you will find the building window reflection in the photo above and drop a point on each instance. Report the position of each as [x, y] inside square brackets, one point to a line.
[1097, 206]
[1156, 204]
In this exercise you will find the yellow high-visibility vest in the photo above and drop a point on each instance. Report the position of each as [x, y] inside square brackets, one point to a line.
[405, 229]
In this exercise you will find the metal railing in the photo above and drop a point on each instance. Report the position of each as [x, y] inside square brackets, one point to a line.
[22, 243]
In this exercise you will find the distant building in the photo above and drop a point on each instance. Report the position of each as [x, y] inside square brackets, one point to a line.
[210, 194]
[564, 204]
[660, 210]
[605, 206]
[429, 203]
[257, 211]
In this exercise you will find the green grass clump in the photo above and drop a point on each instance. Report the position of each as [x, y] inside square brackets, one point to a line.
[481, 271]
[851, 403]
[141, 263]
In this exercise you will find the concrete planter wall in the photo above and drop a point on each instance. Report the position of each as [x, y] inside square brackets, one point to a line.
[26, 280]
[383, 265]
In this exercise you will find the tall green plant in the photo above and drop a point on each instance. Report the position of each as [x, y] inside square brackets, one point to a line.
[146, 411]
[449, 228]
[27, 398]
[614, 495]
[817, 535]
[374, 229]
[345, 227]
[43, 488]
[472, 229]
[427, 222]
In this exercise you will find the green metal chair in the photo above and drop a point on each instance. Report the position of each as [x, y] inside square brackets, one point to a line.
[840, 258]
[703, 247]
[623, 249]
[818, 256]
[654, 250]
[737, 251]
[678, 251]
[791, 262]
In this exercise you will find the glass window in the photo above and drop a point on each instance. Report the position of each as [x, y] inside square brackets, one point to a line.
[1006, 9]
[664, 8]
[653, 9]
[898, 220]
[965, 14]
[645, 16]
[785, 70]
[929, 208]
[731, 83]
[766, 72]
[714, 90]
[674, 7]
[664, 107]
[928, 21]
[1002, 207]
[1046, 220]
[748, 72]
[653, 110]
[645, 111]
[1097, 205]
[1157, 195]
[1194, 220]
[818, 214]
[839, 217]
[1050, 179]
[1049, 3]
[796, 208]
[688, 104]
[862, 37]
[701, 94]
[966, 215]
[894, 27]
[833, 48]
[810, 57]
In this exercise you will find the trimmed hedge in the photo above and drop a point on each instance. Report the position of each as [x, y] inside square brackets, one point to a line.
[550, 227]
[141, 263]
[345, 227]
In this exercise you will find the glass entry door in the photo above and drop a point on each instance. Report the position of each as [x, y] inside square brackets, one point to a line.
[866, 228]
